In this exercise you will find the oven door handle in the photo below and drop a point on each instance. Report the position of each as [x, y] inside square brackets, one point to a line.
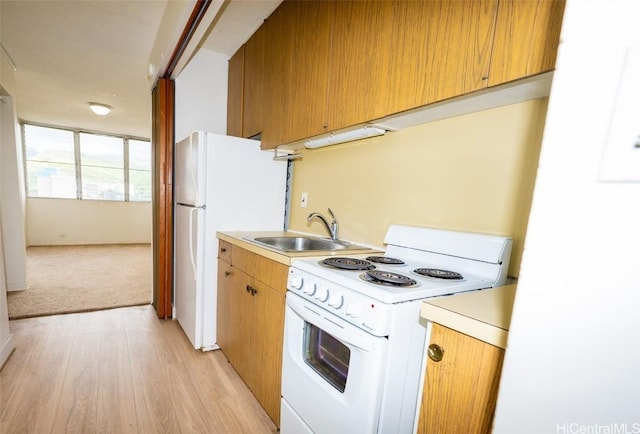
[349, 334]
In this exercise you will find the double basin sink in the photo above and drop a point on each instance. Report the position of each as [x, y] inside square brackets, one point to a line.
[305, 244]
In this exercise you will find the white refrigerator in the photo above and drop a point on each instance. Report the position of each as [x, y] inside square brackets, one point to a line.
[221, 183]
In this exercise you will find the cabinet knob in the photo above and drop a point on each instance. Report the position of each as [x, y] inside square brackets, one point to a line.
[435, 352]
[227, 273]
[223, 250]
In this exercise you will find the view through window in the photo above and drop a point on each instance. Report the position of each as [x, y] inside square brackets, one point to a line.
[63, 163]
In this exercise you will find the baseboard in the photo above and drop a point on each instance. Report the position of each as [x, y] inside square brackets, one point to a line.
[17, 286]
[6, 350]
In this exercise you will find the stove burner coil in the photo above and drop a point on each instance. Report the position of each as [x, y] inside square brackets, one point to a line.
[385, 260]
[347, 263]
[438, 274]
[388, 278]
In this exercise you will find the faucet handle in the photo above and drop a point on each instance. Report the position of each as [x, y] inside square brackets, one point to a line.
[331, 214]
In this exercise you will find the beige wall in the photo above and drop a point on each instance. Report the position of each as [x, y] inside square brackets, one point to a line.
[473, 173]
[7, 84]
[68, 221]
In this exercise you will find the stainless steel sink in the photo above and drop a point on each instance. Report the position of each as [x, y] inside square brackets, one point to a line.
[305, 244]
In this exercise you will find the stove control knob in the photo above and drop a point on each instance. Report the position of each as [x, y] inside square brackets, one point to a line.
[322, 294]
[336, 301]
[295, 282]
[353, 310]
[309, 288]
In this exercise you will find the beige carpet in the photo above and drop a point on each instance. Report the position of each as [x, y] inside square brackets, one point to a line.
[64, 279]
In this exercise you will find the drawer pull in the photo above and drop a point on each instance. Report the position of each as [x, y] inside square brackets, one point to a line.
[227, 273]
[223, 250]
[251, 290]
[435, 352]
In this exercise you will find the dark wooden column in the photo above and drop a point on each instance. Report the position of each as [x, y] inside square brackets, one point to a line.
[162, 139]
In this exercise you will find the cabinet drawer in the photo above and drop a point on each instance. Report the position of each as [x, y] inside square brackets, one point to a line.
[224, 251]
[243, 260]
[272, 273]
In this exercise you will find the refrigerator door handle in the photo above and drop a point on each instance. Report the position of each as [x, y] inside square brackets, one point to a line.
[191, 255]
[192, 172]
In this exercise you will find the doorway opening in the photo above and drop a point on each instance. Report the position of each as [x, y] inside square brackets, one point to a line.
[82, 278]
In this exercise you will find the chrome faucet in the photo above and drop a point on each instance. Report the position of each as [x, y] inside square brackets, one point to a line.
[332, 229]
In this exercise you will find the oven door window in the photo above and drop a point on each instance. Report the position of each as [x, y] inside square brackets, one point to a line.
[326, 355]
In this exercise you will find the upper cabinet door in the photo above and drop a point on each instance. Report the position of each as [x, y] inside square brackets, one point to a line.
[253, 83]
[296, 69]
[526, 41]
[235, 93]
[361, 60]
[449, 51]
[387, 57]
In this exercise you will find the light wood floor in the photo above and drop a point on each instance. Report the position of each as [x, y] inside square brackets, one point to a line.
[120, 371]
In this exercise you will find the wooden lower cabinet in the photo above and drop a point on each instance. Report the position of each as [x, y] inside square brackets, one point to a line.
[251, 302]
[460, 391]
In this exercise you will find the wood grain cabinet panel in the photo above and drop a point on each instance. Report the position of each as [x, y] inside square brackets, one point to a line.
[253, 83]
[272, 273]
[361, 59]
[228, 309]
[460, 391]
[243, 260]
[235, 93]
[334, 64]
[224, 251]
[251, 303]
[526, 39]
[445, 51]
[387, 57]
[267, 334]
[296, 66]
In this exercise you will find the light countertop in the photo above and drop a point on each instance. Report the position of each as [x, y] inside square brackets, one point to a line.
[243, 240]
[484, 315]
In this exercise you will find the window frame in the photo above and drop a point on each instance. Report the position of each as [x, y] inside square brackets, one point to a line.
[78, 161]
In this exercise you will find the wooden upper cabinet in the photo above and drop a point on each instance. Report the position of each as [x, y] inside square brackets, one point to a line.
[334, 64]
[361, 60]
[526, 40]
[387, 57]
[296, 66]
[235, 93]
[253, 83]
[449, 51]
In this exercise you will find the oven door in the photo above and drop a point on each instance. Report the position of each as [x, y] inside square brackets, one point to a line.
[332, 372]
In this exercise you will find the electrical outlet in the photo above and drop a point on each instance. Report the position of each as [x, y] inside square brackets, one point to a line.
[304, 199]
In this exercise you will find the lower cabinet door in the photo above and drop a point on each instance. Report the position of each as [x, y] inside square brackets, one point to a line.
[250, 324]
[461, 387]
[266, 347]
[224, 315]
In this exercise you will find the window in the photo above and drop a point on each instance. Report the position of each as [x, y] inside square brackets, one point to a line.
[51, 167]
[73, 164]
[139, 170]
[102, 167]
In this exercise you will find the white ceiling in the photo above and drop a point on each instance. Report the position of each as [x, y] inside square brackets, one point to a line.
[70, 52]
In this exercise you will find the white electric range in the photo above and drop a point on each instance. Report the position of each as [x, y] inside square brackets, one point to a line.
[354, 347]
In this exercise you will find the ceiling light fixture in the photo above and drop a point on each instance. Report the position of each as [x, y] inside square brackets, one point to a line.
[100, 109]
